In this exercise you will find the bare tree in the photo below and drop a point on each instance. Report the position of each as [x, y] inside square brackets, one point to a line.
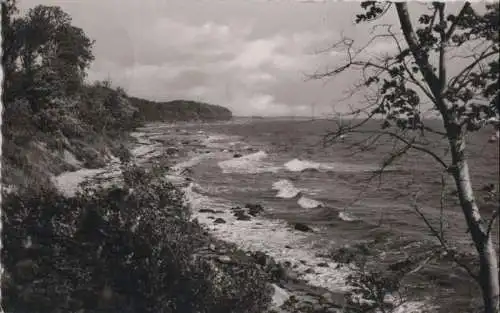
[465, 99]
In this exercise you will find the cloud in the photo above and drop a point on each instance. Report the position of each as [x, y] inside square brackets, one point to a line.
[214, 62]
[250, 56]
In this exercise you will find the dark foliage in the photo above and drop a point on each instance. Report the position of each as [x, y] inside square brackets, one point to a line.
[180, 110]
[120, 250]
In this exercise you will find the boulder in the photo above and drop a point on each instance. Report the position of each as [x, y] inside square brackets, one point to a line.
[243, 217]
[207, 211]
[171, 150]
[240, 214]
[219, 221]
[302, 227]
[237, 155]
[254, 209]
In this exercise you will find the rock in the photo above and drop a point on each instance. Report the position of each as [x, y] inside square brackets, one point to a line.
[323, 264]
[242, 216]
[185, 142]
[219, 221]
[207, 211]
[171, 150]
[254, 209]
[211, 217]
[237, 155]
[211, 247]
[288, 247]
[310, 170]
[309, 271]
[303, 262]
[302, 227]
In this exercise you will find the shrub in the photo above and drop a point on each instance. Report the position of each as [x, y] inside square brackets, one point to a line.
[119, 249]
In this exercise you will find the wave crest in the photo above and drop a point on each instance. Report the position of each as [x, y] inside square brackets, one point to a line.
[297, 165]
[286, 189]
[308, 203]
[248, 164]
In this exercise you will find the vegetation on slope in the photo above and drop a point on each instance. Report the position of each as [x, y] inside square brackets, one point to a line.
[180, 110]
[52, 120]
[120, 249]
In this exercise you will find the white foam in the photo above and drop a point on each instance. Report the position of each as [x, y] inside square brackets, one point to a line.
[346, 217]
[220, 141]
[143, 150]
[192, 162]
[286, 189]
[414, 307]
[307, 203]
[273, 237]
[175, 179]
[297, 165]
[248, 164]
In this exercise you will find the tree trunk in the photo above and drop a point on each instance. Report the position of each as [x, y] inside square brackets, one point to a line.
[488, 271]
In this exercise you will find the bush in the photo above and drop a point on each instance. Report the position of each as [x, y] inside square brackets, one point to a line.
[119, 249]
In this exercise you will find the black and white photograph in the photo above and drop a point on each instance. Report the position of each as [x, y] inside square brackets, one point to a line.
[250, 156]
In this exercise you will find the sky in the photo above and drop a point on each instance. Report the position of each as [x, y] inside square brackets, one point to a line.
[252, 56]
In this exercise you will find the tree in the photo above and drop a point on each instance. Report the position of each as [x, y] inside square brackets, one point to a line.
[466, 100]
[10, 45]
[52, 53]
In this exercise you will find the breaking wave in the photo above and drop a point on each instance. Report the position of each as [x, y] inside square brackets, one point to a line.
[308, 203]
[286, 189]
[248, 164]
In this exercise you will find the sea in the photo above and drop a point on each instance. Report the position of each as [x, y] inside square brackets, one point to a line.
[338, 188]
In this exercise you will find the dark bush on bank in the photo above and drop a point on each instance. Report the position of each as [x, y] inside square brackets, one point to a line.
[117, 249]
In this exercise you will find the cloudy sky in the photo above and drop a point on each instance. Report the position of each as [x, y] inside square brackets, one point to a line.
[252, 56]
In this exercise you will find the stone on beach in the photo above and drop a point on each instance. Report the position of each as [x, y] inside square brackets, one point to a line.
[302, 227]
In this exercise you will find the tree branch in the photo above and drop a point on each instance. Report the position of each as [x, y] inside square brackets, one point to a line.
[492, 221]
[443, 243]
[418, 53]
[442, 65]
[405, 141]
[457, 19]
[484, 55]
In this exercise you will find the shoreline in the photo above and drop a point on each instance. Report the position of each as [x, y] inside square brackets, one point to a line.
[309, 283]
